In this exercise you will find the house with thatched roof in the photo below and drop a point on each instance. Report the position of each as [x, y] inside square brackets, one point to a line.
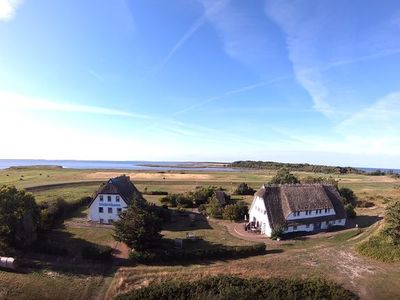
[296, 208]
[111, 198]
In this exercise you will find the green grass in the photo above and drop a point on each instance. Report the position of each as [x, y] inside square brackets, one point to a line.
[48, 285]
[67, 193]
[379, 247]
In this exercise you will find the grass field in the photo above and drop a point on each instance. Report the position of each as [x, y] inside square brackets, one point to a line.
[332, 257]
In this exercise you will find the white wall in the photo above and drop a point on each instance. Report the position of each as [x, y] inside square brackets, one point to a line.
[312, 214]
[258, 213]
[95, 215]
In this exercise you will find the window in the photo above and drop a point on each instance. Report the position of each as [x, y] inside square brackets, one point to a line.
[296, 213]
[100, 209]
[110, 210]
[109, 198]
[326, 210]
[119, 210]
[308, 226]
[101, 220]
[110, 221]
[294, 227]
[117, 198]
[101, 198]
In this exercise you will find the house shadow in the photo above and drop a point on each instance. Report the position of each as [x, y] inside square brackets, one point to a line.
[186, 222]
[362, 221]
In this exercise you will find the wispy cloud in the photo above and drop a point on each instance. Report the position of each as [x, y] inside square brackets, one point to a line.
[209, 9]
[230, 93]
[8, 9]
[318, 42]
[21, 102]
[96, 75]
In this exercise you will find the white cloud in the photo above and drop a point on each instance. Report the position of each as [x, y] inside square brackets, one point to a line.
[21, 102]
[8, 9]
[318, 41]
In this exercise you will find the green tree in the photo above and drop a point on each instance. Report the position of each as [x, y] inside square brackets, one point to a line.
[284, 177]
[244, 189]
[19, 217]
[348, 196]
[235, 212]
[138, 228]
[214, 208]
[392, 218]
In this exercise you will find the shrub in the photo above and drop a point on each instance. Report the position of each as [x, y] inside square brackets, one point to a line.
[277, 232]
[214, 209]
[381, 248]
[351, 213]
[230, 287]
[174, 255]
[348, 196]
[284, 177]
[235, 212]
[155, 192]
[392, 218]
[96, 252]
[244, 189]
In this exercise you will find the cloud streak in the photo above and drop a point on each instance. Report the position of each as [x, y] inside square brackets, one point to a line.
[8, 9]
[21, 102]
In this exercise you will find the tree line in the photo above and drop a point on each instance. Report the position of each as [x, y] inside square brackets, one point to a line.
[303, 167]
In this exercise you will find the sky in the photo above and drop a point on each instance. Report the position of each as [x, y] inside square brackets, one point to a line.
[312, 81]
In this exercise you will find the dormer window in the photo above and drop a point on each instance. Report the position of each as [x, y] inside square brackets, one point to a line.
[101, 198]
[296, 214]
[109, 198]
[117, 198]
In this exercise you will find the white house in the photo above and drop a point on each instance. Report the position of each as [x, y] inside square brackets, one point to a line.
[296, 208]
[111, 198]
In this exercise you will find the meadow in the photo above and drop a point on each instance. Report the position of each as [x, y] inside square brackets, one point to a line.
[332, 256]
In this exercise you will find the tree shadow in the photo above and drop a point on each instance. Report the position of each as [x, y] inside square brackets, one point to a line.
[201, 252]
[60, 251]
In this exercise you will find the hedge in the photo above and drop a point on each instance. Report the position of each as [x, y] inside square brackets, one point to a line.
[230, 287]
[176, 255]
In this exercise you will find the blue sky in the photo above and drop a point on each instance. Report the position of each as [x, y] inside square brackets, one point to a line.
[204, 80]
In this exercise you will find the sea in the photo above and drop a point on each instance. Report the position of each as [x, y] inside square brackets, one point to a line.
[118, 165]
[135, 165]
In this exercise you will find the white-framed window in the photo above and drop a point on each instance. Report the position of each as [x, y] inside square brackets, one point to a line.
[110, 221]
[119, 210]
[308, 226]
[109, 198]
[110, 210]
[296, 213]
[101, 198]
[295, 227]
[101, 209]
[101, 220]
[117, 198]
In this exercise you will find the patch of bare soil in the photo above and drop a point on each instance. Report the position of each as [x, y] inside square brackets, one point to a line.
[150, 176]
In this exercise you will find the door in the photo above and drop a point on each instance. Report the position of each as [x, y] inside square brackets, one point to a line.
[317, 226]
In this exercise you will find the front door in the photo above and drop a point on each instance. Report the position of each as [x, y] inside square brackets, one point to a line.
[317, 226]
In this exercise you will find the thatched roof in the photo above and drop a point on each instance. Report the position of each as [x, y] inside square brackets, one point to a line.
[221, 197]
[121, 185]
[282, 200]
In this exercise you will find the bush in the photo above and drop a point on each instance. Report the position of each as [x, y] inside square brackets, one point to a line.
[53, 213]
[380, 247]
[235, 212]
[230, 287]
[348, 196]
[155, 193]
[96, 252]
[276, 233]
[176, 255]
[351, 213]
[392, 218]
[284, 177]
[244, 189]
